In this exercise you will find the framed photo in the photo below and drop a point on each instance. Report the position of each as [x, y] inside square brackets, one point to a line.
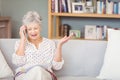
[89, 9]
[78, 7]
[76, 33]
[90, 32]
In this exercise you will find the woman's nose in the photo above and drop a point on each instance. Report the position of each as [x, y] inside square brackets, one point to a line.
[33, 31]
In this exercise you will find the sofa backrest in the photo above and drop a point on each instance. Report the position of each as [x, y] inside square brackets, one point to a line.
[7, 48]
[82, 57]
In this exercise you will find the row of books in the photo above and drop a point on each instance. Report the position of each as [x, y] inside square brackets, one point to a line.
[108, 7]
[91, 31]
[96, 32]
[89, 6]
[61, 6]
[65, 30]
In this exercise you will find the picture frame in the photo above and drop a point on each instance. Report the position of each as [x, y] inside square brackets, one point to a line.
[90, 32]
[76, 33]
[89, 9]
[78, 7]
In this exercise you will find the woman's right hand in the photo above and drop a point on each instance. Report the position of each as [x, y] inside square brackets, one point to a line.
[22, 32]
[21, 48]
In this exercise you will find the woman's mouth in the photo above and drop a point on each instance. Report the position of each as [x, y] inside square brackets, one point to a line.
[34, 35]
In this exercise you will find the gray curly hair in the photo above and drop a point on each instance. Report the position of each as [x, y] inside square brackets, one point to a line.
[31, 16]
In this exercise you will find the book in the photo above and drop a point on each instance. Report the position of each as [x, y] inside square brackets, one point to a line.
[53, 6]
[100, 7]
[56, 6]
[69, 2]
[109, 7]
[99, 32]
[115, 8]
[65, 7]
[95, 6]
[64, 30]
[118, 7]
[60, 6]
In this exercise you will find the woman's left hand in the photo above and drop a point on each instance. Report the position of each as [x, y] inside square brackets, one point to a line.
[58, 56]
[65, 39]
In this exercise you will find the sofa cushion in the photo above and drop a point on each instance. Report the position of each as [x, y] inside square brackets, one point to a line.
[82, 58]
[77, 78]
[8, 78]
[111, 66]
[5, 70]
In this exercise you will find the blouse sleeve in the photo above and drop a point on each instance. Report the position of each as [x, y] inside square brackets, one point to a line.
[56, 65]
[16, 59]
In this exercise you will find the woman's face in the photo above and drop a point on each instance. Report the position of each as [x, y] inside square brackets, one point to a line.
[33, 31]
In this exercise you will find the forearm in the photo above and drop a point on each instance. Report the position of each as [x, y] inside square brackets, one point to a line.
[58, 54]
[18, 60]
[21, 48]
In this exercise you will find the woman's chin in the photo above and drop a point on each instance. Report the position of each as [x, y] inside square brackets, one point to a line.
[33, 38]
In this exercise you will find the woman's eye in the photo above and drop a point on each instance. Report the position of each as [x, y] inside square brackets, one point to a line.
[29, 29]
[35, 28]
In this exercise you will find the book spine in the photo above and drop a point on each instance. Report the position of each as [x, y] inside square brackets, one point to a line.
[60, 6]
[69, 6]
[56, 6]
[99, 7]
[64, 6]
[53, 6]
[104, 6]
[105, 31]
[64, 30]
[98, 32]
[115, 8]
[66, 3]
[118, 7]
[110, 8]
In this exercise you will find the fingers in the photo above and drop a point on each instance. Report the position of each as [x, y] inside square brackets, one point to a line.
[22, 28]
[22, 32]
[65, 38]
[70, 36]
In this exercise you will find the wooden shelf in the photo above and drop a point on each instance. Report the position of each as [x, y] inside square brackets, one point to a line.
[54, 20]
[82, 39]
[86, 15]
[4, 18]
[5, 27]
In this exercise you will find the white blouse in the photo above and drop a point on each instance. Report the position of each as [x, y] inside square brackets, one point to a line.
[43, 56]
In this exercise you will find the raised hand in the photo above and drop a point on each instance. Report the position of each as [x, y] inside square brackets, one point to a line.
[65, 39]
[58, 56]
[22, 32]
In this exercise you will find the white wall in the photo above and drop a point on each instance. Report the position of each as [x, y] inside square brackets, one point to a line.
[16, 9]
[0, 7]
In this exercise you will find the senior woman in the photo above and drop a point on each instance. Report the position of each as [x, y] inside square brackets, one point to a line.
[36, 56]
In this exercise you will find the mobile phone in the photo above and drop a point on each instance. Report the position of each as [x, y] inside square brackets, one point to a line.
[25, 32]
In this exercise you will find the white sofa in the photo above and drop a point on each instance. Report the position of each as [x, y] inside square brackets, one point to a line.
[83, 58]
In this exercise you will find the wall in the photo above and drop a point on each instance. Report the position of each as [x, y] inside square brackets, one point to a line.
[79, 23]
[17, 8]
[0, 7]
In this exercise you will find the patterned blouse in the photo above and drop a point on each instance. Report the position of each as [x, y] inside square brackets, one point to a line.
[42, 56]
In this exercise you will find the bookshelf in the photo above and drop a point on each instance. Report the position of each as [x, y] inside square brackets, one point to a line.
[5, 27]
[53, 29]
[86, 15]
